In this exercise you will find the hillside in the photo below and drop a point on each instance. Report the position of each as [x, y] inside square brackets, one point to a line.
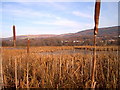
[108, 34]
[108, 31]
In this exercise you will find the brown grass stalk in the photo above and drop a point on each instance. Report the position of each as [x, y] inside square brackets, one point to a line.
[96, 19]
[16, 73]
[38, 70]
[14, 36]
[1, 71]
[93, 65]
[27, 75]
[28, 45]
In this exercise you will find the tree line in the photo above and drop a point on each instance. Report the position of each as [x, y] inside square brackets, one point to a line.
[62, 41]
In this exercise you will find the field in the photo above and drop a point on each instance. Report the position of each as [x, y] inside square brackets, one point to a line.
[60, 67]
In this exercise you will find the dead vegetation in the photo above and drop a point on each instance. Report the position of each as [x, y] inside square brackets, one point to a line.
[58, 71]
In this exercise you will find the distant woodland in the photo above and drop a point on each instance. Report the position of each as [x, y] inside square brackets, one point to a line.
[76, 41]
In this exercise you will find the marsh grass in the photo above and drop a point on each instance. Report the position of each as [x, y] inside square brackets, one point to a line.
[58, 71]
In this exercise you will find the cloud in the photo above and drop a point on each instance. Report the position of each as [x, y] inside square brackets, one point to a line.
[0, 9]
[58, 6]
[23, 12]
[57, 0]
[80, 14]
[54, 19]
[107, 22]
[27, 13]
[65, 23]
[60, 22]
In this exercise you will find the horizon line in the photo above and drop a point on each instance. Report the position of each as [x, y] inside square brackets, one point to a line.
[61, 33]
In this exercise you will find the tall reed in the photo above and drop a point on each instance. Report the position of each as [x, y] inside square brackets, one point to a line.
[1, 70]
[16, 82]
[44, 69]
[14, 36]
[96, 19]
[28, 51]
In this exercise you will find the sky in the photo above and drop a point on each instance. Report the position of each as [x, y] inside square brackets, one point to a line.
[54, 17]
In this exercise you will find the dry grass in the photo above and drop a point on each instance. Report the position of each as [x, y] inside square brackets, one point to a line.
[64, 70]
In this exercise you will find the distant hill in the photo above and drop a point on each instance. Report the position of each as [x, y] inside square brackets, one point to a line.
[107, 35]
[102, 31]
[108, 31]
[31, 36]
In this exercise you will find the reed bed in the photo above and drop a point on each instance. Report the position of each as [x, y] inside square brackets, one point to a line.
[98, 48]
[63, 70]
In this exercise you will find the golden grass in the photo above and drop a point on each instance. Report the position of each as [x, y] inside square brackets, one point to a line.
[64, 70]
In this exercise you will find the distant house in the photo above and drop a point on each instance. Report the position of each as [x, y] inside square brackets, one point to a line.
[76, 41]
[111, 40]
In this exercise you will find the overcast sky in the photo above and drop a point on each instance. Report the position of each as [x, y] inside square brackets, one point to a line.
[54, 17]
